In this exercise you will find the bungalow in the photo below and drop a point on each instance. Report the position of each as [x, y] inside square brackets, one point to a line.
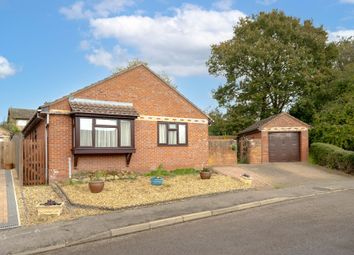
[132, 120]
[19, 116]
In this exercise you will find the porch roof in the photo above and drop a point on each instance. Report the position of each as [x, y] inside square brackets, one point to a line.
[81, 105]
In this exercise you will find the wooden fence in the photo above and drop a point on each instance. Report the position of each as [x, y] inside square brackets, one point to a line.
[7, 154]
[222, 151]
[33, 162]
[17, 141]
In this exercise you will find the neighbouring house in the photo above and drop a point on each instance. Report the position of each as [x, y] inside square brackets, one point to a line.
[132, 120]
[20, 117]
[279, 138]
[4, 135]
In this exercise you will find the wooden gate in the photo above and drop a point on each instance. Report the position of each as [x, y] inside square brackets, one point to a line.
[33, 162]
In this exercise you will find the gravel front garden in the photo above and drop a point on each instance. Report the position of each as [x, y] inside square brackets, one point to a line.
[126, 193]
[29, 197]
[122, 191]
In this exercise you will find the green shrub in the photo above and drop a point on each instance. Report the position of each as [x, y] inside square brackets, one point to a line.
[160, 171]
[184, 171]
[332, 156]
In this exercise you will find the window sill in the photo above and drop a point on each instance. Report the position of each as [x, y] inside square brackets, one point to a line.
[89, 151]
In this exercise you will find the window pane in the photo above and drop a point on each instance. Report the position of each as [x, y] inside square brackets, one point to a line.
[172, 137]
[21, 123]
[162, 133]
[182, 137]
[105, 137]
[107, 122]
[125, 133]
[85, 132]
[172, 126]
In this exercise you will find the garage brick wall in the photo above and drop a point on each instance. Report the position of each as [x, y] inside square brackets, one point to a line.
[258, 148]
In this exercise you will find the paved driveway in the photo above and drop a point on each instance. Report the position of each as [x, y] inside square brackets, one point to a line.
[280, 175]
[9, 217]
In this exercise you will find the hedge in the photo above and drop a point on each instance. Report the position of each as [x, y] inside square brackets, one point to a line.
[332, 156]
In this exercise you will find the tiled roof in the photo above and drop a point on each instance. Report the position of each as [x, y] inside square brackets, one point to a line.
[79, 105]
[22, 114]
[120, 73]
[257, 125]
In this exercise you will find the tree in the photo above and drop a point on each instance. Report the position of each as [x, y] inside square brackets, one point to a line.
[335, 123]
[317, 98]
[270, 62]
[345, 52]
[10, 126]
[229, 123]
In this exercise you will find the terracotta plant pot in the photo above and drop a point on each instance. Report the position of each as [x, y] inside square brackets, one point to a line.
[8, 166]
[205, 175]
[96, 186]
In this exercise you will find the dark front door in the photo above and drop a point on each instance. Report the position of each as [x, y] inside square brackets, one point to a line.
[284, 147]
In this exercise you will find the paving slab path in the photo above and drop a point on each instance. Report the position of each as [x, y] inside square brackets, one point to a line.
[9, 217]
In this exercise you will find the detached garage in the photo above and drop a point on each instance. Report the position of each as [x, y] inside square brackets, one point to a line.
[279, 138]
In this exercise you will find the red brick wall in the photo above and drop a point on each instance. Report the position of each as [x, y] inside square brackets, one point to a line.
[265, 147]
[150, 96]
[304, 145]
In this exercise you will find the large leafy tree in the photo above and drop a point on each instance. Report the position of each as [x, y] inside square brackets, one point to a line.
[335, 123]
[270, 62]
[317, 98]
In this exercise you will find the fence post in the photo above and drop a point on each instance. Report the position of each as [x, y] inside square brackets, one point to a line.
[2, 155]
[20, 159]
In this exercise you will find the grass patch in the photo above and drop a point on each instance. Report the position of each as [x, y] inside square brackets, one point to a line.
[179, 171]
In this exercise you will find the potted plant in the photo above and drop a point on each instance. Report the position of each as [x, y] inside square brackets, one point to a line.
[156, 178]
[246, 178]
[96, 182]
[50, 207]
[205, 173]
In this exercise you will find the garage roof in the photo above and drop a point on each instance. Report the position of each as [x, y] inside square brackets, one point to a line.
[257, 126]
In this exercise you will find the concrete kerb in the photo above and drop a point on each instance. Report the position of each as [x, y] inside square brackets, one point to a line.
[171, 221]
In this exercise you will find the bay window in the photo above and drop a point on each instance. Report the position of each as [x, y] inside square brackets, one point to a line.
[106, 135]
[172, 134]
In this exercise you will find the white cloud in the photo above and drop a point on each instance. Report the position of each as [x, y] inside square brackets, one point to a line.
[178, 45]
[110, 60]
[98, 8]
[107, 7]
[85, 45]
[223, 5]
[340, 34]
[6, 68]
[75, 11]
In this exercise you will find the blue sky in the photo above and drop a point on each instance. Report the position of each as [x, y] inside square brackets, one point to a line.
[50, 48]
